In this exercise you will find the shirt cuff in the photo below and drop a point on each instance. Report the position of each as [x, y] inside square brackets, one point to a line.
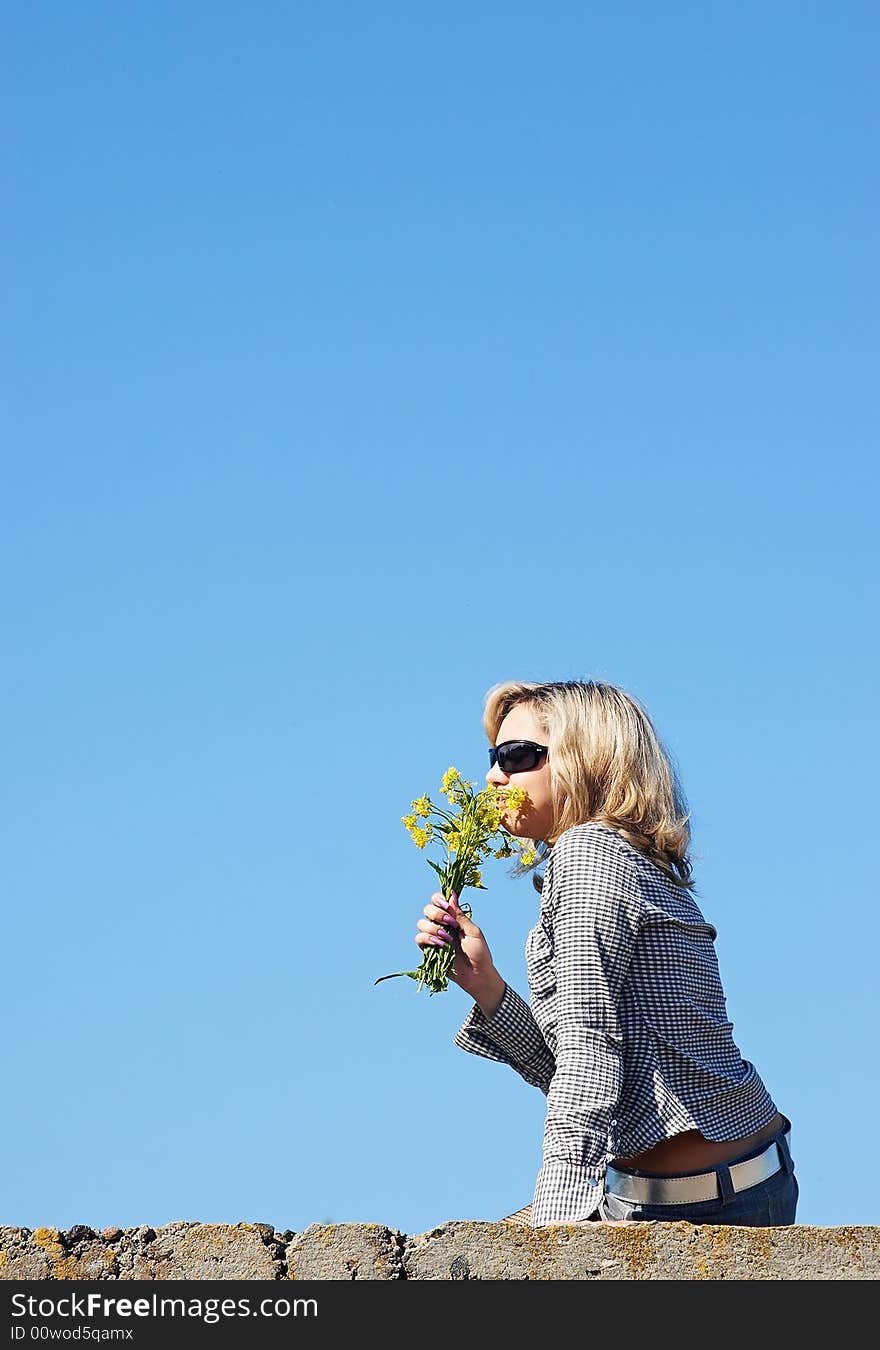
[511, 1028]
[565, 1193]
[512, 1036]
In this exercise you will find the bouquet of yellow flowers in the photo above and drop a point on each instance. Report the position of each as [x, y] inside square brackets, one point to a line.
[470, 831]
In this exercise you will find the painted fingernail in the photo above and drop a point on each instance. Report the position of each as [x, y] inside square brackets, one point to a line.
[438, 941]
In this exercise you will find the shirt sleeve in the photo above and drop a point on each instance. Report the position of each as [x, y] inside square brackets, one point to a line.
[510, 1036]
[593, 909]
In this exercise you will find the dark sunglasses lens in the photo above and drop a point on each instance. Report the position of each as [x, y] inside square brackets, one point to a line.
[518, 757]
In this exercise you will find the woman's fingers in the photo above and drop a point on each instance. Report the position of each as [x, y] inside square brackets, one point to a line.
[432, 933]
[452, 909]
[445, 922]
[437, 914]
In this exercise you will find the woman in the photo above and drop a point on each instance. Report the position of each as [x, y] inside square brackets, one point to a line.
[652, 1113]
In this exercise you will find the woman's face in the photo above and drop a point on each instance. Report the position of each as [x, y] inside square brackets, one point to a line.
[534, 819]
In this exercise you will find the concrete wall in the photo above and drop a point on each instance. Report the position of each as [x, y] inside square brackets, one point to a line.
[453, 1251]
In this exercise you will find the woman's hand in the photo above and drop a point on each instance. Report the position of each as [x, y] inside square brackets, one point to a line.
[444, 922]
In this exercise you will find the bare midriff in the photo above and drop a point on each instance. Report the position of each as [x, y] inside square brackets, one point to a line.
[692, 1152]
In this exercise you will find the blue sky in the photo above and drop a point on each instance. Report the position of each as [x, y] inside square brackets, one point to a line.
[358, 358]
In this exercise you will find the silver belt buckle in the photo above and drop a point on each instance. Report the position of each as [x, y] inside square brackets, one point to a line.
[693, 1190]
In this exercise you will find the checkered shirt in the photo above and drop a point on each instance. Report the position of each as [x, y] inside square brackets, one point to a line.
[626, 1029]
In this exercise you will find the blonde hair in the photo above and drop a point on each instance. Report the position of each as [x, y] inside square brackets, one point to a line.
[607, 764]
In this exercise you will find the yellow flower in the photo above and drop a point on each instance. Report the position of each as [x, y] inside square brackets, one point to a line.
[469, 833]
[455, 787]
[529, 857]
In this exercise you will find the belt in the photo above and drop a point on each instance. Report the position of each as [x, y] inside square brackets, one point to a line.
[692, 1189]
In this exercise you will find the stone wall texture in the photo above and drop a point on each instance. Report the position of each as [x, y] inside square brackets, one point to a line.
[453, 1251]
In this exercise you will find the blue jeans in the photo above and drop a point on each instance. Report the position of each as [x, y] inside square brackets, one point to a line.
[770, 1204]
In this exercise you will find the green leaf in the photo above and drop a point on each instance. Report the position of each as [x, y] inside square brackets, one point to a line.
[413, 975]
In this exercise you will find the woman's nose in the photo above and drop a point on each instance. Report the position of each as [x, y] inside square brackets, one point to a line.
[496, 776]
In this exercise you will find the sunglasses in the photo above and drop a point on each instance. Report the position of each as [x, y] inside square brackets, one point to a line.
[516, 756]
